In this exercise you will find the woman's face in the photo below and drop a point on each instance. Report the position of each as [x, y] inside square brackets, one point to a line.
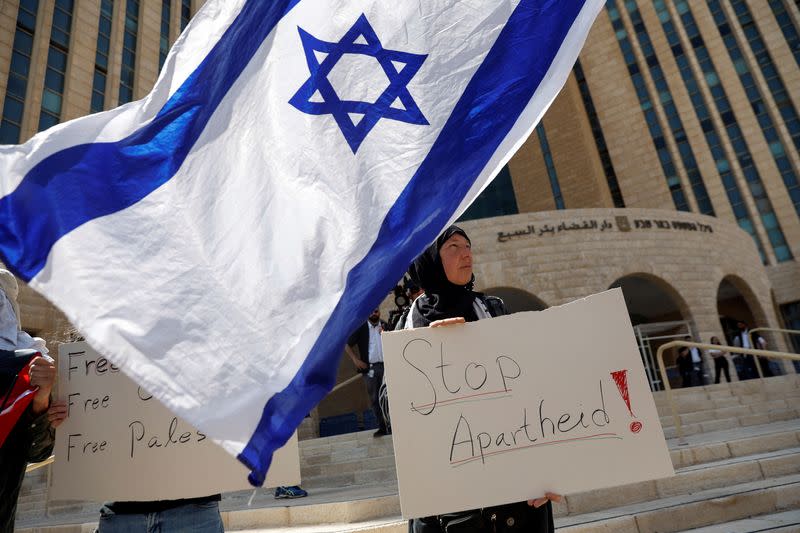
[456, 255]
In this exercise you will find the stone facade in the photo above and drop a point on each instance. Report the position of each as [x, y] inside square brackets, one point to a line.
[555, 268]
[561, 256]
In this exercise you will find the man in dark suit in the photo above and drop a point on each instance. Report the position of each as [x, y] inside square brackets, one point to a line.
[367, 338]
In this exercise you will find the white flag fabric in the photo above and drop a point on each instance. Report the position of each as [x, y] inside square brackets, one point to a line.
[222, 237]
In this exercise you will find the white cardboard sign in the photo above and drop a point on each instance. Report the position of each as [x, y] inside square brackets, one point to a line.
[119, 443]
[503, 410]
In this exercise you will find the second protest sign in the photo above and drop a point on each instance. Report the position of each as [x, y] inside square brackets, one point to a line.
[507, 409]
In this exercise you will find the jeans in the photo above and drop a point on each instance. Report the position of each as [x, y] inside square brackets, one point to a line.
[374, 378]
[202, 518]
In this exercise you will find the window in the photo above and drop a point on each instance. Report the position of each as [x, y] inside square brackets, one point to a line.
[128, 71]
[496, 200]
[186, 13]
[163, 46]
[53, 92]
[739, 208]
[14, 104]
[775, 85]
[671, 111]
[551, 168]
[599, 138]
[101, 56]
[787, 27]
[645, 101]
[734, 132]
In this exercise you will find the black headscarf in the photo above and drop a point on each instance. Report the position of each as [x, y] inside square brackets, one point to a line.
[442, 299]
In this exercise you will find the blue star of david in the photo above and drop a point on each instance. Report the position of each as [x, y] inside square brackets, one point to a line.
[394, 103]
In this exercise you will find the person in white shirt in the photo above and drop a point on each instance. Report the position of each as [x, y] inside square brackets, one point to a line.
[697, 364]
[367, 338]
[743, 340]
[720, 361]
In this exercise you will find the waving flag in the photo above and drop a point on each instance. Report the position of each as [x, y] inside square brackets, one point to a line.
[221, 237]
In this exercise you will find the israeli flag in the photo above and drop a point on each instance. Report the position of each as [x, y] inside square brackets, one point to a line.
[220, 238]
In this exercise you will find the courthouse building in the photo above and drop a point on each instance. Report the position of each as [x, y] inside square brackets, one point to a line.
[669, 165]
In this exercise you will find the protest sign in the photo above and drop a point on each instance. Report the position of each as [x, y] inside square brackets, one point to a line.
[120, 443]
[503, 410]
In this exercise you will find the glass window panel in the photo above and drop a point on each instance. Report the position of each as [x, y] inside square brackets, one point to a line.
[99, 81]
[129, 40]
[13, 109]
[103, 44]
[128, 58]
[782, 253]
[16, 86]
[57, 59]
[51, 101]
[98, 101]
[47, 120]
[125, 94]
[61, 19]
[9, 133]
[20, 64]
[59, 37]
[23, 42]
[105, 26]
[54, 80]
[30, 5]
[26, 20]
[777, 149]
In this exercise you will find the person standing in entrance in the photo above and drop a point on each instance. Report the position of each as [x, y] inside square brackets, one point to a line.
[720, 361]
[370, 362]
[685, 366]
[697, 364]
[743, 340]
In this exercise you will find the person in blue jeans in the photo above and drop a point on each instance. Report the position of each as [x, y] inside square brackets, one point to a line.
[164, 516]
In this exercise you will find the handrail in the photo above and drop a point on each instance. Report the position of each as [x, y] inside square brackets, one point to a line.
[33, 466]
[704, 346]
[345, 383]
[753, 343]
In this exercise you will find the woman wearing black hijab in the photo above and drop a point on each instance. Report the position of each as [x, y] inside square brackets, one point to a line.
[444, 271]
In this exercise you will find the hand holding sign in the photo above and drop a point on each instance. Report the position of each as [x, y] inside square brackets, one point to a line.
[474, 406]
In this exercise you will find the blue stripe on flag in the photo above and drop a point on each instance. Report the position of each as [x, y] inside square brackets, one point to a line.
[486, 112]
[84, 182]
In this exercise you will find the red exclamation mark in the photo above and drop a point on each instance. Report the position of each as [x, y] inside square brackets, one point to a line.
[620, 377]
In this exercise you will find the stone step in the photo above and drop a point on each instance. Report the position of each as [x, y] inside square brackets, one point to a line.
[697, 454]
[693, 510]
[746, 406]
[687, 480]
[785, 522]
[721, 391]
[367, 504]
[670, 432]
[758, 403]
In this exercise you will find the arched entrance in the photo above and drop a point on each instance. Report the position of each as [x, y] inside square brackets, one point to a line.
[658, 314]
[517, 300]
[651, 299]
[737, 303]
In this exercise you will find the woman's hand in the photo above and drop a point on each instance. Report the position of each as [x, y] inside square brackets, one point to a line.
[57, 413]
[548, 496]
[447, 322]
